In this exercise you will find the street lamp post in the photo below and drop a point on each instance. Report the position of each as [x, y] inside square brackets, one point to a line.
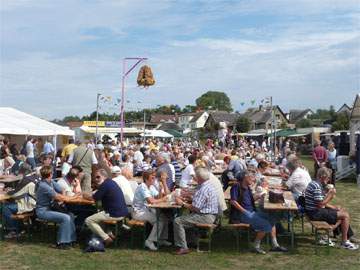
[97, 117]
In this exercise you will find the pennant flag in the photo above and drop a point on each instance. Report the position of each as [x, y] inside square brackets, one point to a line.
[128, 101]
[253, 102]
[108, 98]
[102, 98]
[242, 103]
[118, 100]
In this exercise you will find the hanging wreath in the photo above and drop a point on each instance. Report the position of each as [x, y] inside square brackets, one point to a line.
[145, 77]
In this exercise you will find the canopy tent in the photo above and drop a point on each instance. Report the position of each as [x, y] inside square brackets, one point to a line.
[156, 133]
[286, 132]
[14, 122]
[174, 132]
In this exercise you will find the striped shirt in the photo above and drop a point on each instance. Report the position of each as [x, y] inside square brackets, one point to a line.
[177, 170]
[313, 195]
[205, 199]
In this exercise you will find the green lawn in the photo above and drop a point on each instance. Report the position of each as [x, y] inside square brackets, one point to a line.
[223, 256]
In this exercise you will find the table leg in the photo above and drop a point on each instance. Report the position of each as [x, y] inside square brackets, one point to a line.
[157, 226]
[291, 223]
[1, 222]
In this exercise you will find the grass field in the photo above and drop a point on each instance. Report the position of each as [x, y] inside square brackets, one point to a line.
[38, 255]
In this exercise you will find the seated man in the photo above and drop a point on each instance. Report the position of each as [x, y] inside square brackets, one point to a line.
[113, 203]
[317, 206]
[24, 200]
[299, 178]
[204, 209]
[243, 211]
[124, 184]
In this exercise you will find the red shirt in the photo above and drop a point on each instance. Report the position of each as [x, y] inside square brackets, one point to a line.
[320, 154]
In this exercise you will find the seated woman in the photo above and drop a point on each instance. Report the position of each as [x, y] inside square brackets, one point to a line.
[243, 211]
[48, 191]
[146, 193]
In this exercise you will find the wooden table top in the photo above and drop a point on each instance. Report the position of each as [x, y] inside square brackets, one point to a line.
[10, 179]
[164, 205]
[281, 206]
[79, 201]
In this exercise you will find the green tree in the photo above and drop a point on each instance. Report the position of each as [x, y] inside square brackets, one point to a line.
[243, 124]
[342, 122]
[304, 123]
[214, 100]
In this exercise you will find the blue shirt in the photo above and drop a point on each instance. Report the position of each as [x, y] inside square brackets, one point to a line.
[247, 198]
[112, 198]
[48, 148]
[46, 192]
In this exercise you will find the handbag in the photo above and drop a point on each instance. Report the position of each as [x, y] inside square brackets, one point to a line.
[58, 207]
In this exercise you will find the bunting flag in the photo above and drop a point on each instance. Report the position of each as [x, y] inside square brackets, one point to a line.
[242, 103]
[252, 101]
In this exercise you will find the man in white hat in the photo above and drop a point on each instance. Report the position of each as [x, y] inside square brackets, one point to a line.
[124, 184]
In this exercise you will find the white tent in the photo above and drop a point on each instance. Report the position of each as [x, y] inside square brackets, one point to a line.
[14, 122]
[156, 133]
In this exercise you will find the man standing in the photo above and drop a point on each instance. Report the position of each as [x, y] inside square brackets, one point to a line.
[30, 152]
[68, 149]
[85, 158]
[204, 209]
[48, 148]
[320, 156]
[124, 184]
[113, 203]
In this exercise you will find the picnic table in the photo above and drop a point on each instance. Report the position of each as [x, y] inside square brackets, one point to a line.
[158, 207]
[289, 206]
[79, 201]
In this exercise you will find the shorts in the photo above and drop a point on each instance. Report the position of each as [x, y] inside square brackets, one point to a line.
[323, 214]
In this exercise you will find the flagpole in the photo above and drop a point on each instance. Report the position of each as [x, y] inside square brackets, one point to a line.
[97, 117]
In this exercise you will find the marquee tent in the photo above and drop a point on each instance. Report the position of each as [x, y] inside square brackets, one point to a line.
[14, 122]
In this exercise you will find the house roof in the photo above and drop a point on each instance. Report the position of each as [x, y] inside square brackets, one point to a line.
[168, 126]
[295, 115]
[221, 116]
[344, 108]
[158, 118]
[196, 117]
[355, 113]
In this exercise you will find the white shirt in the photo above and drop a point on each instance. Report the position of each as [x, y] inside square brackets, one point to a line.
[298, 181]
[65, 186]
[187, 175]
[172, 168]
[219, 191]
[125, 186]
[138, 157]
[30, 149]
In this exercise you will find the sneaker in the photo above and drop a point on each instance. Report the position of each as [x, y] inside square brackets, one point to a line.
[150, 245]
[279, 249]
[165, 243]
[354, 240]
[259, 251]
[349, 245]
[10, 235]
[324, 242]
[182, 251]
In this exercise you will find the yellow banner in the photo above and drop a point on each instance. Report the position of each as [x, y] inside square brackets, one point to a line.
[93, 123]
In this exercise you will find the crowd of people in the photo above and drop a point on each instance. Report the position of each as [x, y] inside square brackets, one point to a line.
[127, 178]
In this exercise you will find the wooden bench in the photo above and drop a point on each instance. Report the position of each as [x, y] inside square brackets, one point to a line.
[318, 226]
[25, 218]
[238, 228]
[209, 229]
[134, 223]
[117, 224]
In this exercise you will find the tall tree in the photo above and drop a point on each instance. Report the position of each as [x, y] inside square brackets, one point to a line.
[243, 124]
[214, 100]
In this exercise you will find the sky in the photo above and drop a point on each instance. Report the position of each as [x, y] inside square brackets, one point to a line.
[56, 55]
